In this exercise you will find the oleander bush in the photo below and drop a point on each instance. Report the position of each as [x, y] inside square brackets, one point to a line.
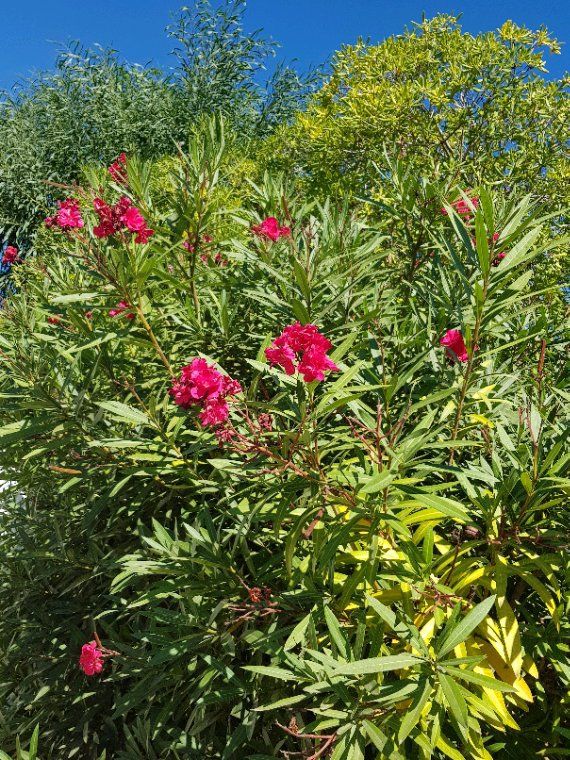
[281, 485]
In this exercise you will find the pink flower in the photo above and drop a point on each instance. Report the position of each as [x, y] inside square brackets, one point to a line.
[310, 344]
[190, 246]
[119, 217]
[118, 170]
[198, 381]
[55, 319]
[231, 387]
[463, 208]
[314, 364]
[144, 235]
[204, 255]
[284, 356]
[202, 384]
[120, 308]
[10, 254]
[270, 229]
[104, 229]
[133, 219]
[67, 217]
[265, 421]
[224, 434]
[455, 345]
[91, 660]
[499, 256]
[301, 337]
[109, 217]
[88, 315]
[214, 412]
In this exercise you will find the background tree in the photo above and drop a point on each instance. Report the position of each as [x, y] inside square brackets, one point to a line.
[94, 106]
[463, 107]
[449, 106]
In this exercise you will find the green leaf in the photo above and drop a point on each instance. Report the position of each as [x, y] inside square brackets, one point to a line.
[454, 698]
[451, 638]
[481, 243]
[297, 634]
[272, 672]
[33, 750]
[519, 252]
[448, 507]
[378, 482]
[337, 635]
[404, 630]
[125, 413]
[285, 702]
[477, 678]
[413, 713]
[74, 298]
[376, 736]
[379, 664]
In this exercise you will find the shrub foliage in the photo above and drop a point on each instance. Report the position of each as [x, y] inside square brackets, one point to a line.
[370, 565]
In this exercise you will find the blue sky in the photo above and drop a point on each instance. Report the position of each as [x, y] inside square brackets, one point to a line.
[308, 30]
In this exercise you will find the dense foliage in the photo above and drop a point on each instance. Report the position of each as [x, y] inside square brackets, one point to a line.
[284, 402]
[455, 107]
[362, 559]
[473, 108]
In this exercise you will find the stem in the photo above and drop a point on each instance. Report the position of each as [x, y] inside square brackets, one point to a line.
[193, 272]
[535, 439]
[468, 370]
[153, 340]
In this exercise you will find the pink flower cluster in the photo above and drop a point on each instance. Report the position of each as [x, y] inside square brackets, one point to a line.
[120, 310]
[91, 659]
[120, 217]
[190, 247]
[10, 254]
[206, 255]
[498, 256]
[463, 208]
[67, 217]
[304, 349]
[455, 346]
[270, 229]
[202, 384]
[118, 170]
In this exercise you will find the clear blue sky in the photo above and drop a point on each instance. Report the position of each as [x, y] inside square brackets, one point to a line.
[308, 30]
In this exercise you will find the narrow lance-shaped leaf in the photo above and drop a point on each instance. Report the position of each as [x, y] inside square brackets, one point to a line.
[380, 664]
[465, 626]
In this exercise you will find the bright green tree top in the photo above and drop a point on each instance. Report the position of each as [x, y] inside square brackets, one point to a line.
[469, 108]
